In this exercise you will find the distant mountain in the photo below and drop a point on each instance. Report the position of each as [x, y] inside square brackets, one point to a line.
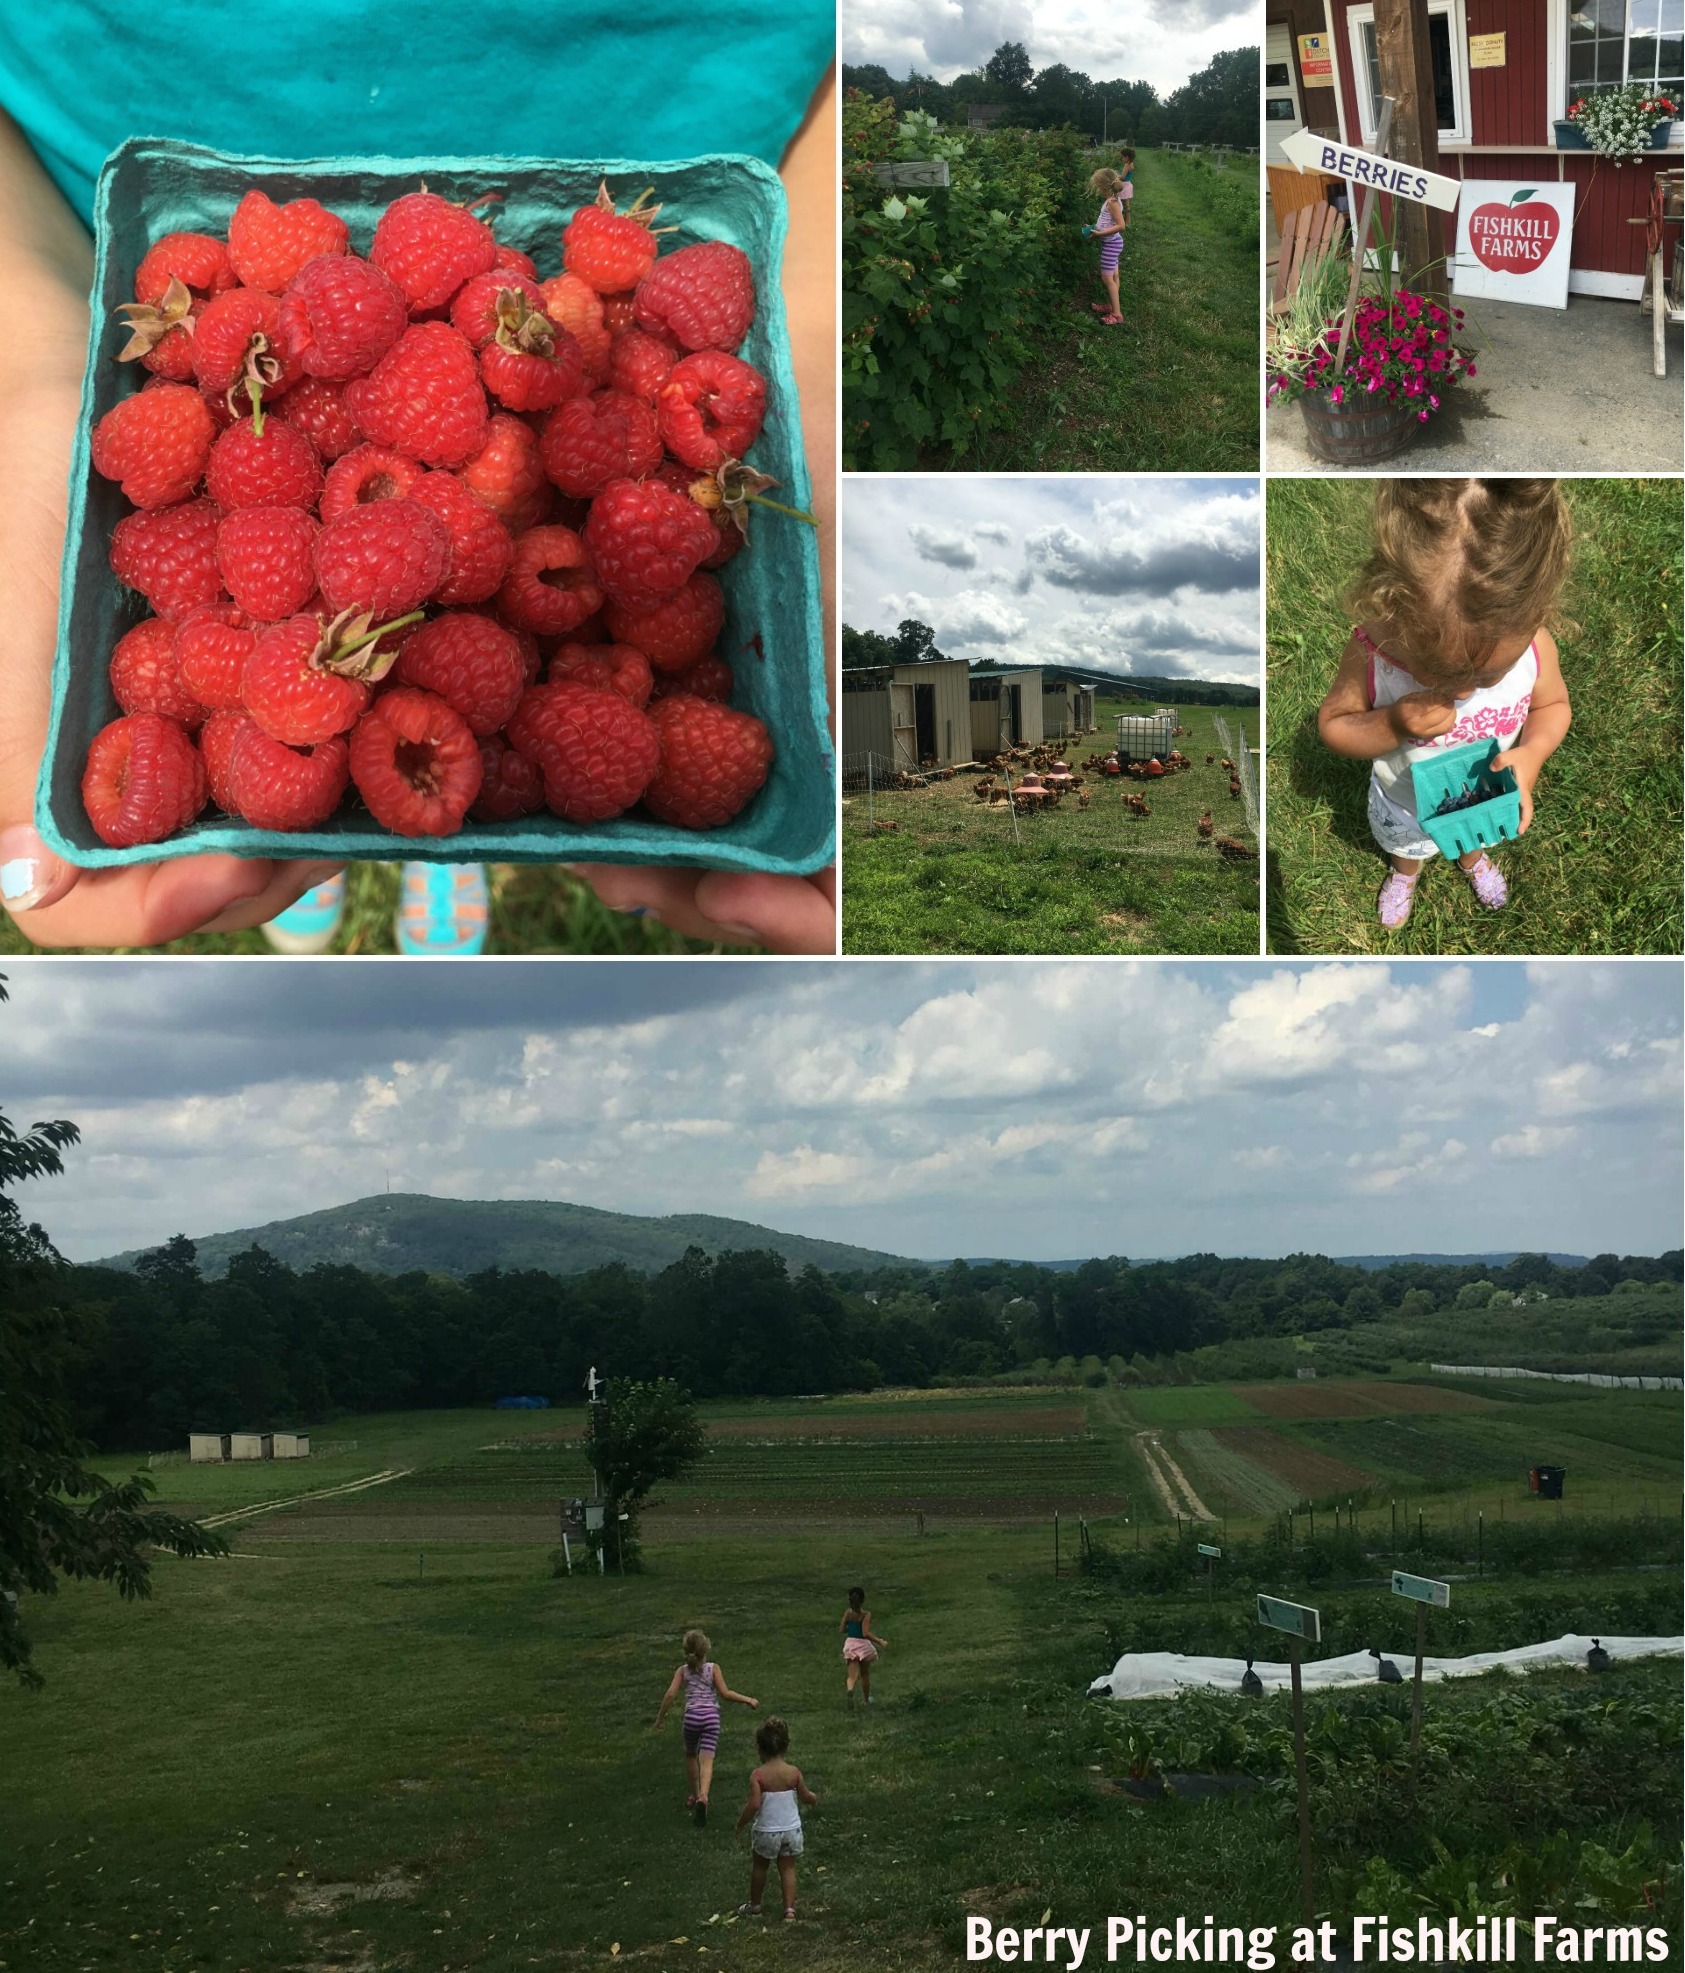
[401, 1232]
[1373, 1261]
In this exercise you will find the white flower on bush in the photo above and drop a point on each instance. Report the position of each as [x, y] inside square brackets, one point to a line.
[1618, 122]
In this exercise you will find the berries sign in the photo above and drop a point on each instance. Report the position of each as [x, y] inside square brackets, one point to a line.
[1513, 243]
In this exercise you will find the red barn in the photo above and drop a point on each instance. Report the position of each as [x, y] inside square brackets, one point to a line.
[1504, 72]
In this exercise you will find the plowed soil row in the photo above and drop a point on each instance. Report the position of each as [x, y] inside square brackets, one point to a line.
[1310, 1474]
[1343, 1400]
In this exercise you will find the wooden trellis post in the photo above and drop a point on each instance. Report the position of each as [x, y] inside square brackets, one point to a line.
[1405, 56]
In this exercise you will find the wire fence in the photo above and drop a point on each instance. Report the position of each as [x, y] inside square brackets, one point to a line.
[1235, 748]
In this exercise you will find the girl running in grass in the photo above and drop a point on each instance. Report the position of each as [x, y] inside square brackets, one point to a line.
[776, 1795]
[1108, 230]
[703, 1686]
[860, 1644]
[1452, 644]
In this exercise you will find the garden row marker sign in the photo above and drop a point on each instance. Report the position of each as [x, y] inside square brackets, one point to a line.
[1302, 1625]
[913, 174]
[1371, 171]
[1420, 1590]
[1513, 242]
[1211, 1555]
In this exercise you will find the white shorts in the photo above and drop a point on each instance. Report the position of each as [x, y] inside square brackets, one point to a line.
[1398, 830]
[775, 1843]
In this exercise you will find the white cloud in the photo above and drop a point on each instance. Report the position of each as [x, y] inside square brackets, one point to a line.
[1533, 1141]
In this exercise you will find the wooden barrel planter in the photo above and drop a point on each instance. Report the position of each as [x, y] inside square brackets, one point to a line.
[1357, 436]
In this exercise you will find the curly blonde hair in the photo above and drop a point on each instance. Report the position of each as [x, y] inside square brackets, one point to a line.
[1460, 564]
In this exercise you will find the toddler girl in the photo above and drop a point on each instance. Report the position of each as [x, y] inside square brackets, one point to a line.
[776, 1790]
[703, 1687]
[1451, 644]
[860, 1645]
[1108, 230]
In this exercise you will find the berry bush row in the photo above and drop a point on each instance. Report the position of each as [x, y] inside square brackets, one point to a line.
[941, 291]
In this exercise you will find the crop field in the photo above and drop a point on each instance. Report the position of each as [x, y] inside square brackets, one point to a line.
[1447, 1453]
[1188, 1404]
[1228, 1478]
[933, 869]
[1330, 1398]
[1306, 1472]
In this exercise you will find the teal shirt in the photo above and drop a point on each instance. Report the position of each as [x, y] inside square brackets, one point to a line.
[410, 78]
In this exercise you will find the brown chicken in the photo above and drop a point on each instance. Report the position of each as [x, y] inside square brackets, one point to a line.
[1205, 825]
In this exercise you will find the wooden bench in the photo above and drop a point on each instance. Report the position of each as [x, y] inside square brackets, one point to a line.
[1310, 235]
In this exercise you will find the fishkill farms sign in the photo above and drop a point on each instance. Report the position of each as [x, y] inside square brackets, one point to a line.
[1514, 242]
[1403, 181]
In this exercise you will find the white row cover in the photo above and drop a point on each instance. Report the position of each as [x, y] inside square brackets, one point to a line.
[1163, 1674]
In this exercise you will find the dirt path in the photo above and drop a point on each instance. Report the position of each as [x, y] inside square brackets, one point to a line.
[1169, 1479]
[235, 1514]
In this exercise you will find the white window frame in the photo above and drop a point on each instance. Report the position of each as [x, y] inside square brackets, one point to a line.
[1556, 73]
[1357, 18]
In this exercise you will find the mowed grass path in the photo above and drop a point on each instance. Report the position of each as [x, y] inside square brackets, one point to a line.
[1598, 872]
[1175, 388]
[951, 879]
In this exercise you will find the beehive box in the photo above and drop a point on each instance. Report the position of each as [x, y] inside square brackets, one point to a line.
[1458, 771]
[773, 637]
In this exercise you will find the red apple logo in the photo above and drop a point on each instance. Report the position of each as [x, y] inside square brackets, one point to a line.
[1515, 238]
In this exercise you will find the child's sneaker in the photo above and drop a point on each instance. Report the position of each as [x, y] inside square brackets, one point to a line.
[1486, 880]
[748, 1911]
[310, 923]
[444, 910]
[1398, 893]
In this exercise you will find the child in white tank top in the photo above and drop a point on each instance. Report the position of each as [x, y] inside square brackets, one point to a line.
[777, 1793]
[1452, 645]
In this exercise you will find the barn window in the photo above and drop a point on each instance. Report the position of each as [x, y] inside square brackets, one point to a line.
[1448, 45]
[1611, 42]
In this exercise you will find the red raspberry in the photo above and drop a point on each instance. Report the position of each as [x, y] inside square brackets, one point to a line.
[423, 397]
[675, 632]
[143, 780]
[480, 546]
[507, 475]
[708, 678]
[515, 261]
[387, 557]
[620, 313]
[430, 247]
[712, 761]
[317, 408]
[532, 660]
[711, 409]
[170, 556]
[367, 473]
[596, 749]
[685, 480]
[176, 278]
[268, 243]
[155, 444]
[340, 316]
[646, 541]
[483, 303]
[536, 378]
[213, 643]
[611, 667]
[610, 250]
[704, 295]
[305, 680]
[236, 346]
[275, 786]
[511, 785]
[275, 468]
[592, 440]
[264, 554]
[198, 262]
[574, 305]
[218, 738]
[639, 364]
[146, 674]
[415, 763]
[551, 587]
[472, 662]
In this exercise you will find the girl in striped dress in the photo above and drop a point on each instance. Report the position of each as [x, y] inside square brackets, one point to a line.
[1108, 230]
[703, 1686]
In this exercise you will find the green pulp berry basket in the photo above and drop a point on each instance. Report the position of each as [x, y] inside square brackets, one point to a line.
[1458, 771]
[773, 637]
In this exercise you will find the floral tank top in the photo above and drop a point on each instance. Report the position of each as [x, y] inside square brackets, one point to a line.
[1490, 712]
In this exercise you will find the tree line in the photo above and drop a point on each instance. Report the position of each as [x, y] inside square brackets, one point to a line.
[1218, 106]
[163, 1351]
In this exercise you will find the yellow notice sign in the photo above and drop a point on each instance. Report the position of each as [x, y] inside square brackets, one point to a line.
[1316, 58]
[1486, 51]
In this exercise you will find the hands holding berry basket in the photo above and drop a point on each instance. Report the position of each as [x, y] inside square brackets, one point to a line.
[429, 547]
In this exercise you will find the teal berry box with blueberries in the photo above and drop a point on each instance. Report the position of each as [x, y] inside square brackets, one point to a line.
[487, 589]
[1464, 804]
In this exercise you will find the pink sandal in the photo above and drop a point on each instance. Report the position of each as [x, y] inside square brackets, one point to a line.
[1486, 880]
[1398, 894]
[1111, 321]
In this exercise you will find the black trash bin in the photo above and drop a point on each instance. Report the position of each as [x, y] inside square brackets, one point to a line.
[1546, 1481]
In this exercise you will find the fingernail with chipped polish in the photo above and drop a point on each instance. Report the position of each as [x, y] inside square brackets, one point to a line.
[25, 880]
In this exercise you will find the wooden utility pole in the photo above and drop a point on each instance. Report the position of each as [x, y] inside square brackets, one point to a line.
[1405, 55]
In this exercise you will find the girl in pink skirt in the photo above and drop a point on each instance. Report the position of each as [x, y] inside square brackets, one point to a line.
[860, 1644]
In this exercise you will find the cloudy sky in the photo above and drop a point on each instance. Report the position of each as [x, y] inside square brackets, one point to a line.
[1158, 41]
[1044, 1109]
[1124, 573]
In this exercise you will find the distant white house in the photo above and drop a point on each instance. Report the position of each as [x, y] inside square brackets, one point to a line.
[213, 1448]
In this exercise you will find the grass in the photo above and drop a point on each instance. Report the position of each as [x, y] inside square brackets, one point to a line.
[1175, 388]
[1190, 1404]
[1598, 872]
[948, 878]
[534, 908]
